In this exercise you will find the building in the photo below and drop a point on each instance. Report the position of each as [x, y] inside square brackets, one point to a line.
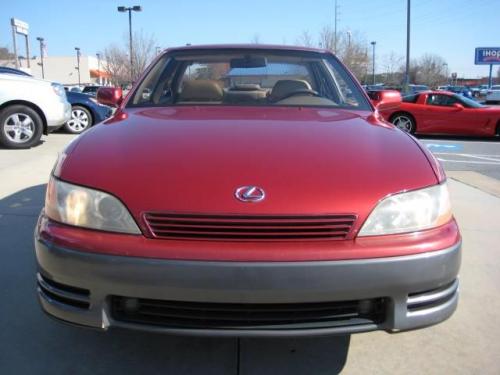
[63, 69]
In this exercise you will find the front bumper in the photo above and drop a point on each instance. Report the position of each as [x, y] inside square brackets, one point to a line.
[81, 288]
[57, 115]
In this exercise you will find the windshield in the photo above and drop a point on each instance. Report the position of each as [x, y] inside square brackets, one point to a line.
[256, 78]
[468, 102]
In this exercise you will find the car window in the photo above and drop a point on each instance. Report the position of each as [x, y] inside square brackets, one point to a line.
[410, 98]
[441, 100]
[258, 78]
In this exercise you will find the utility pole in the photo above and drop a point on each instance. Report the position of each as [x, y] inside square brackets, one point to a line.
[42, 47]
[407, 71]
[373, 61]
[135, 8]
[335, 28]
[98, 67]
[77, 49]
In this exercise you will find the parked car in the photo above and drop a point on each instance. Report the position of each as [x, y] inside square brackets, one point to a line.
[90, 90]
[461, 90]
[493, 94]
[413, 89]
[443, 112]
[30, 107]
[85, 112]
[278, 207]
[483, 89]
[8, 70]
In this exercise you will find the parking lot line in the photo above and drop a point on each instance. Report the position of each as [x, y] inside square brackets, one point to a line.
[469, 161]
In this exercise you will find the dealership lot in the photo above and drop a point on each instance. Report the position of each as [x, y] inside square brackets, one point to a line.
[467, 343]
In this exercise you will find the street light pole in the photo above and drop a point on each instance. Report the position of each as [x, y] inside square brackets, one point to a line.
[373, 61]
[98, 67]
[40, 39]
[407, 71]
[77, 49]
[135, 8]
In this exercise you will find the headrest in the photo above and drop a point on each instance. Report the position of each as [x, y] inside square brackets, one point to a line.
[201, 90]
[286, 86]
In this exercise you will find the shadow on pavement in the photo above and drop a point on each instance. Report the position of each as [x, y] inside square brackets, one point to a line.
[31, 343]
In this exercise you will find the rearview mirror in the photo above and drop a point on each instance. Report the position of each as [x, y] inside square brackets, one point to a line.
[111, 96]
[249, 62]
[384, 100]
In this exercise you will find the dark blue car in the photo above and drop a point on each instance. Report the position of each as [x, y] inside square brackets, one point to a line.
[85, 112]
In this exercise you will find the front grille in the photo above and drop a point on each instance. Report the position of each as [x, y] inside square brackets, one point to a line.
[199, 315]
[240, 227]
[62, 293]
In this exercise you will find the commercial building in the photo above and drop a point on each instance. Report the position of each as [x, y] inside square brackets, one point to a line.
[64, 69]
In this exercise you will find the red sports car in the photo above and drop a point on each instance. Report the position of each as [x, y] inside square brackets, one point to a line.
[442, 112]
[247, 190]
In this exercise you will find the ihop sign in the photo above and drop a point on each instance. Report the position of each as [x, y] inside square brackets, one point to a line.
[487, 55]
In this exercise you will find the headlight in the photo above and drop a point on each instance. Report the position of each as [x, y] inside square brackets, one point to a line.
[58, 89]
[88, 208]
[409, 212]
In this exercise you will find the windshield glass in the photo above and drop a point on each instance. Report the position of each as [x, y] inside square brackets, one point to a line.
[468, 102]
[257, 78]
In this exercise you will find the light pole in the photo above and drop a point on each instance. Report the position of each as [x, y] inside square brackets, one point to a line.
[373, 61]
[407, 70]
[98, 67]
[135, 8]
[445, 66]
[77, 49]
[41, 40]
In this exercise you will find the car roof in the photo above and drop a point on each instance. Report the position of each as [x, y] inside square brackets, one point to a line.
[263, 47]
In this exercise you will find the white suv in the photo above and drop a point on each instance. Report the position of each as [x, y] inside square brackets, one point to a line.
[493, 94]
[30, 107]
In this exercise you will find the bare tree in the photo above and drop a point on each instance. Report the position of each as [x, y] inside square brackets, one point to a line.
[392, 64]
[255, 39]
[6, 56]
[117, 59]
[431, 70]
[305, 39]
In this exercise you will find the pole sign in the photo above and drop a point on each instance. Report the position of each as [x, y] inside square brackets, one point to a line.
[487, 56]
[21, 27]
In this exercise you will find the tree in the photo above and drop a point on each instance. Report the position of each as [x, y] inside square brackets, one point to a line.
[117, 58]
[305, 39]
[392, 65]
[431, 70]
[5, 55]
[255, 39]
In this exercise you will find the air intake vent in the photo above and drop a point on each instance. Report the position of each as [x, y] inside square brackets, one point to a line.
[199, 315]
[64, 294]
[249, 228]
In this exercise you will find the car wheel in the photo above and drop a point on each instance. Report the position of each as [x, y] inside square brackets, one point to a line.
[20, 127]
[81, 119]
[404, 121]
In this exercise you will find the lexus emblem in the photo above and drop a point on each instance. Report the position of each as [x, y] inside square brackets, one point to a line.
[250, 194]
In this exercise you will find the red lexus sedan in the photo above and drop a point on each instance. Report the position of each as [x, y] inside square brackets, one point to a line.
[442, 112]
[247, 191]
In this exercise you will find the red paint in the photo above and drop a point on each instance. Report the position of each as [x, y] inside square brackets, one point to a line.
[139, 246]
[309, 161]
[432, 119]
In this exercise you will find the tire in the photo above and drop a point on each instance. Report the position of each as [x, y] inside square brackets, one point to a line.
[404, 121]
[20, 127]
[81, 120]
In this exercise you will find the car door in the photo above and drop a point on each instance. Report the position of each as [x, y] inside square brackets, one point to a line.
[443, 117]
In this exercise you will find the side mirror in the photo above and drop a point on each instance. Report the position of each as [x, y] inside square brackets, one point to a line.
[385, 100]
[111, 96]
[458, 106]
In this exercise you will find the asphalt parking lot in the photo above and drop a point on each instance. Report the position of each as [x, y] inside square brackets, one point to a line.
[31, 343]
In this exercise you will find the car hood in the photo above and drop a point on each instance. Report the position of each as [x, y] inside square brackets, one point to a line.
[192, 159]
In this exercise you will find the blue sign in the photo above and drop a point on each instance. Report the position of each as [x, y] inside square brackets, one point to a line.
[487, 56]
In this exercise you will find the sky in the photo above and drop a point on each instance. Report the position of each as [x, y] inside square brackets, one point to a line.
[449, 28]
